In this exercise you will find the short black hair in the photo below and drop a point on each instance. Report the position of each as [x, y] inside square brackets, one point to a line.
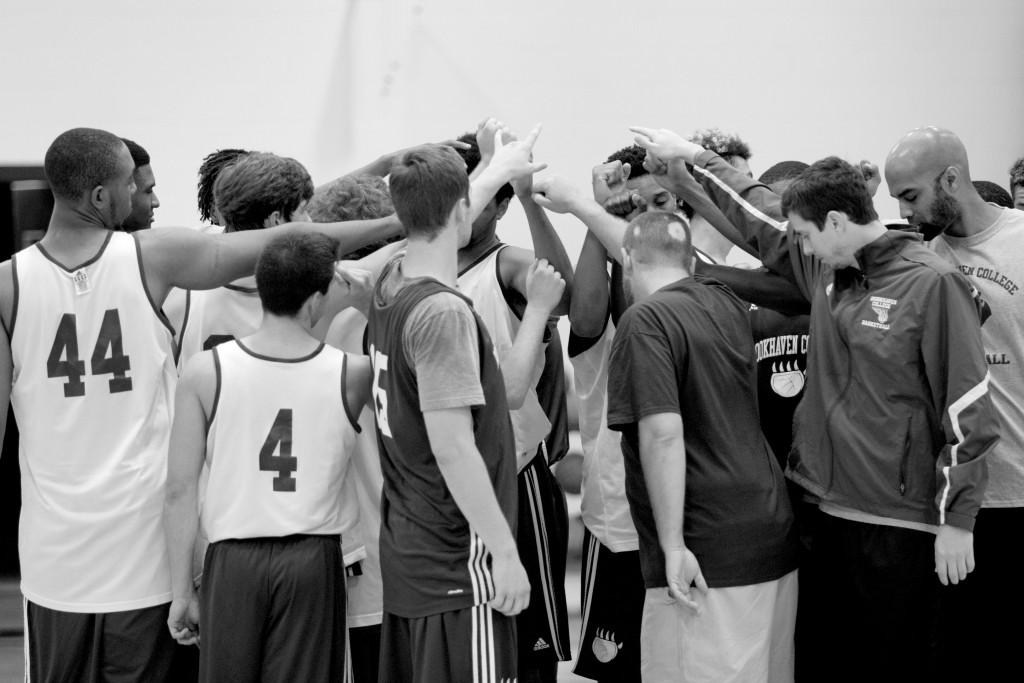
[633, 155]
[81, 159]
[724, 145]
[426, 183]
[784, 170]
[139, 155]
[212, 165]
[291, 268]
[992, 192]
[830, 184]
[1017, 174]
[256, 186]
[471, 156]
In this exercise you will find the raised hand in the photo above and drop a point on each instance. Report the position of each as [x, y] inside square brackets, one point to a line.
[665, 144]
[183, 620]
[557, 194]
[355, 285]
[609, 179]
[511, 586]
[515, 159]
[683, 573]
[485, 137]
[625, 204]
[871, 176]
[544, 286]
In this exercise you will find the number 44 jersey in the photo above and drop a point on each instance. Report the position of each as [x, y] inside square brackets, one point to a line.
[92, 393]
[278, 446]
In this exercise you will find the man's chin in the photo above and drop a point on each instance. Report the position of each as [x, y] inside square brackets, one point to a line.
[929, 231]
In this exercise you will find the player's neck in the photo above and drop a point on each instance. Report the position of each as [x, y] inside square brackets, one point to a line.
[72, 235]
[438, 259]
[977, 216]
[282, 337]
[478, 245]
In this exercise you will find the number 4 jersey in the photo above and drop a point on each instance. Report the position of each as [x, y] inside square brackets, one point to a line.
[278, 446]
[92, 392]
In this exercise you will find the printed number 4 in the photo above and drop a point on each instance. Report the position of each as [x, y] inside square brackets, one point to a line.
[65, 345]
[280, 439]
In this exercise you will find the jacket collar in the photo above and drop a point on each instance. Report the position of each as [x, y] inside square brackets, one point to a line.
[874, 257]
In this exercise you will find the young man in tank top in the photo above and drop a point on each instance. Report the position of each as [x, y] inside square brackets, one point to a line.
[88, 363]
[452, 575]
[274, 416]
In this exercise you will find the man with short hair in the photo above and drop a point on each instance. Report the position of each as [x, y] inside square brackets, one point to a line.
[144, 199]
[707, 496]
[87, 361]
[273, 520]
[928, 173]
[452, 577]
[896, 421]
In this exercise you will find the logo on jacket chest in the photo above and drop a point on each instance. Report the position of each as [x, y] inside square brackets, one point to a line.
[882, 308]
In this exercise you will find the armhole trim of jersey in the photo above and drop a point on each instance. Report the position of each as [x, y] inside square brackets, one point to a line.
[184, 318]
[353, 420]
[9, 327]
[216, 391]
[149, 295]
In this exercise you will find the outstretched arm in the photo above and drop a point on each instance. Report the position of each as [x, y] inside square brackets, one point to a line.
[546, 243]
[588, 312]
[558, 195]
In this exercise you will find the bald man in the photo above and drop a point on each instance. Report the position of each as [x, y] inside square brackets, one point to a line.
[928, 172]
[717, 539]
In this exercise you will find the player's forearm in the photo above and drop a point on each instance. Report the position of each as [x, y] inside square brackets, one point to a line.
[466, 476]
[482, 189]
[547, 245]
[608, 229]
[181, 520]
[522, 365]
[588, 309]
[663, 459]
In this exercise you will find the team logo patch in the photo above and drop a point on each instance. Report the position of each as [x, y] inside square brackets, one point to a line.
[604, 647]
[882, 307]
[787, 379]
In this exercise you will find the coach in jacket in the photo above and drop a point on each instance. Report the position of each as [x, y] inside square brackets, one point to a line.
[896, 418]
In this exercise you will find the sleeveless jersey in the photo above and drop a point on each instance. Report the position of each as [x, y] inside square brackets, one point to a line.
[219, 315]
[481, 282]
[431, 560]
[92, 393]
[278, 446]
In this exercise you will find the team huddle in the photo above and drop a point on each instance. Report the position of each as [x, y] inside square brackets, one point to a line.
[313, 438]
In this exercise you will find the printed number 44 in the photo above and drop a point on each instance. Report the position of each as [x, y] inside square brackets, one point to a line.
[65, 346]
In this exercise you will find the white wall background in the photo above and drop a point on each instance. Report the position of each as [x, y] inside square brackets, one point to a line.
[336, 83]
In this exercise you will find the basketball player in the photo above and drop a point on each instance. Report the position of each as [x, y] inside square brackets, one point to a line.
[88, 364]
[266, 414]
[452, 576]
[144, 200]
[494, 275]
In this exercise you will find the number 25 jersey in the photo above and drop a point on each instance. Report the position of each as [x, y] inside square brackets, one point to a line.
[92, 393]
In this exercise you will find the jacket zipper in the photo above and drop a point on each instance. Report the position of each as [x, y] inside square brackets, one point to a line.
[902, 483]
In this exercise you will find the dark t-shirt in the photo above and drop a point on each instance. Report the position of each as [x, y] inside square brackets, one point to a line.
[687, 349]
[780, 347]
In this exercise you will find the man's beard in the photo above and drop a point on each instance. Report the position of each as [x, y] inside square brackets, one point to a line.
[944, 212]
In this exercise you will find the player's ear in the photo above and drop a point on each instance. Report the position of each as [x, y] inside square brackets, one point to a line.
[502, 208]
[99, 196]
[276, 218]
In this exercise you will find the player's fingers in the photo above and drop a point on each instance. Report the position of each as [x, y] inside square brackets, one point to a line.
[531, 139]
[626, 168]
[940, 569]
[970, 562]
[961, 568]
[541, 201]
[497, 139]
[700, 583]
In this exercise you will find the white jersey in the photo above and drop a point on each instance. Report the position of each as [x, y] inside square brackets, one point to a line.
[214, 316]
[278, 445]
[604, 507]
[92, 392]
[481, 282]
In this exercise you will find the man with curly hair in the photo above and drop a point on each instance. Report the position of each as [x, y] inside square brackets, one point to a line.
[729, 146]
[1017, 183]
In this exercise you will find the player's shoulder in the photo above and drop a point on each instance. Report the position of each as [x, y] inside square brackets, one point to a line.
[513, 263]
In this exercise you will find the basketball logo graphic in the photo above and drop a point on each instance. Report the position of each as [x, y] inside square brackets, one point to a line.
[787, 379]
[604, 647]
[882, 313]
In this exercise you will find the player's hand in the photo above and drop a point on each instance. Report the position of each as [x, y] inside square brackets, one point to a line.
[871, 175]
[511, 587]
[515, 159]
[609, 179]
[544, 286]
[683, 574]
[485, 131]
[954, 554]
[625, 204]
[557, 194]
[355, 285]
[183, 620]
[666, 145]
